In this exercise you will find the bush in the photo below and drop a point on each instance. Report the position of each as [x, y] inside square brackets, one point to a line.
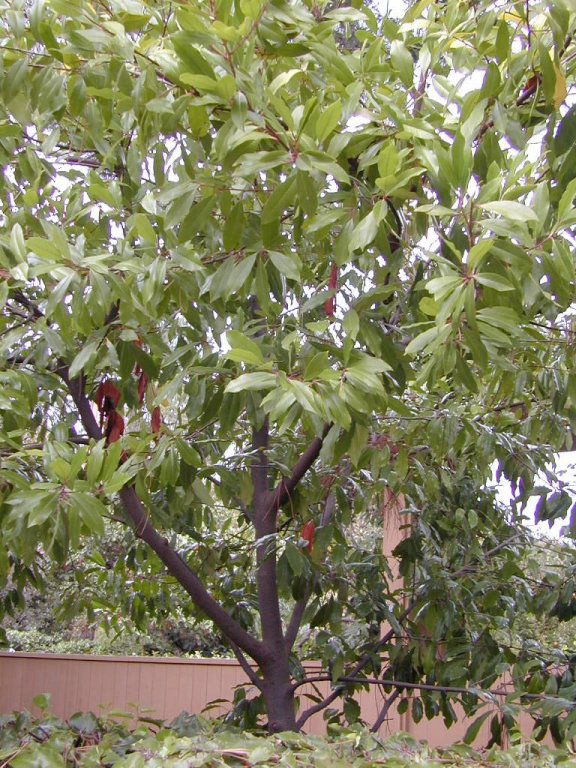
[86, 741]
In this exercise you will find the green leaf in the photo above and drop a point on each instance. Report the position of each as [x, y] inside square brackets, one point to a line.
[304, 395]
[307, 197]
[492, 280]
[474, 728]
[402, 62]
[95, 462]
[316, 366]
[44, 248]
[287, 264]
[252, 381]
[427, 340]
[367, 364]
[388, 160]
[233, 228]
[295, 558]
[441, 287]
[365, 231]
[328, 120]
[83, 359]
[565, 136]
[566, 201]
[509, 209]
[282, 197]
[244, 350]
[91, 511]
[118, 480]
[478, 252]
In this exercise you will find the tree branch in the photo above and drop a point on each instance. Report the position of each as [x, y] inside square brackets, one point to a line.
[296, 621]
[145, 530]
[265, 526]
[39, 446]
[33, 308]
[141, 521]
[287, 486]
[388, 683]
[243, 661]
[384, 711]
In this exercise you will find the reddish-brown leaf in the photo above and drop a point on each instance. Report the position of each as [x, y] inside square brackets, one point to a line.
[330, 304]
[333, 280]
[156, 421]
[107, 399]
[532, 83]
[308, 535]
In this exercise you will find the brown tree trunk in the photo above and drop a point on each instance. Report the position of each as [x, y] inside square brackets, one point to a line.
[278, 694]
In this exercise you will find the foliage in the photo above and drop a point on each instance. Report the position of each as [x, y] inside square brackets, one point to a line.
[72, 613]
[85, 741]
[174, 639]
[549, 562]
[258, 286]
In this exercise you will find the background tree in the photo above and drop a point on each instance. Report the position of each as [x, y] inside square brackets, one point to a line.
[255, 286]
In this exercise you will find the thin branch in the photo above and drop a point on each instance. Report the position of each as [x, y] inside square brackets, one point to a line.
[527, 92]
[525, 96]
[419, 94]
[39, 446]
[33, 308]
[296, 621]
[384, 711]
[328, 511]
[389, 683]
[112, 315]
[244, 663]
[287, 486]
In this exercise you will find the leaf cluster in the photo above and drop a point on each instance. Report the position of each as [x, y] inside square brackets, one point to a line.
[85, 741]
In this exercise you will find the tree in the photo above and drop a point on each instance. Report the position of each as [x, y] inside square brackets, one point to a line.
[257, 286]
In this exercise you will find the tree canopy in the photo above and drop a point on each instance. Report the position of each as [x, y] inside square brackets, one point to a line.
[272, 270]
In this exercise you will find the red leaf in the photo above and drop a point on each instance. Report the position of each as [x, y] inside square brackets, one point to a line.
[333, 280]
[308, 535]
[532, 83]
[114, 427]
[156, 421]
[330, 304]
[142, 384]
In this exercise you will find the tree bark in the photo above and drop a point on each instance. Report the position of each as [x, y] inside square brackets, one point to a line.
[278, 693]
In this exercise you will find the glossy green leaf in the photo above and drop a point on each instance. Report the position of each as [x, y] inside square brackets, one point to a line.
[252, 381]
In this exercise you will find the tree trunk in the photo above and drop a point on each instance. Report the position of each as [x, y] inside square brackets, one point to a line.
[278, 695]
